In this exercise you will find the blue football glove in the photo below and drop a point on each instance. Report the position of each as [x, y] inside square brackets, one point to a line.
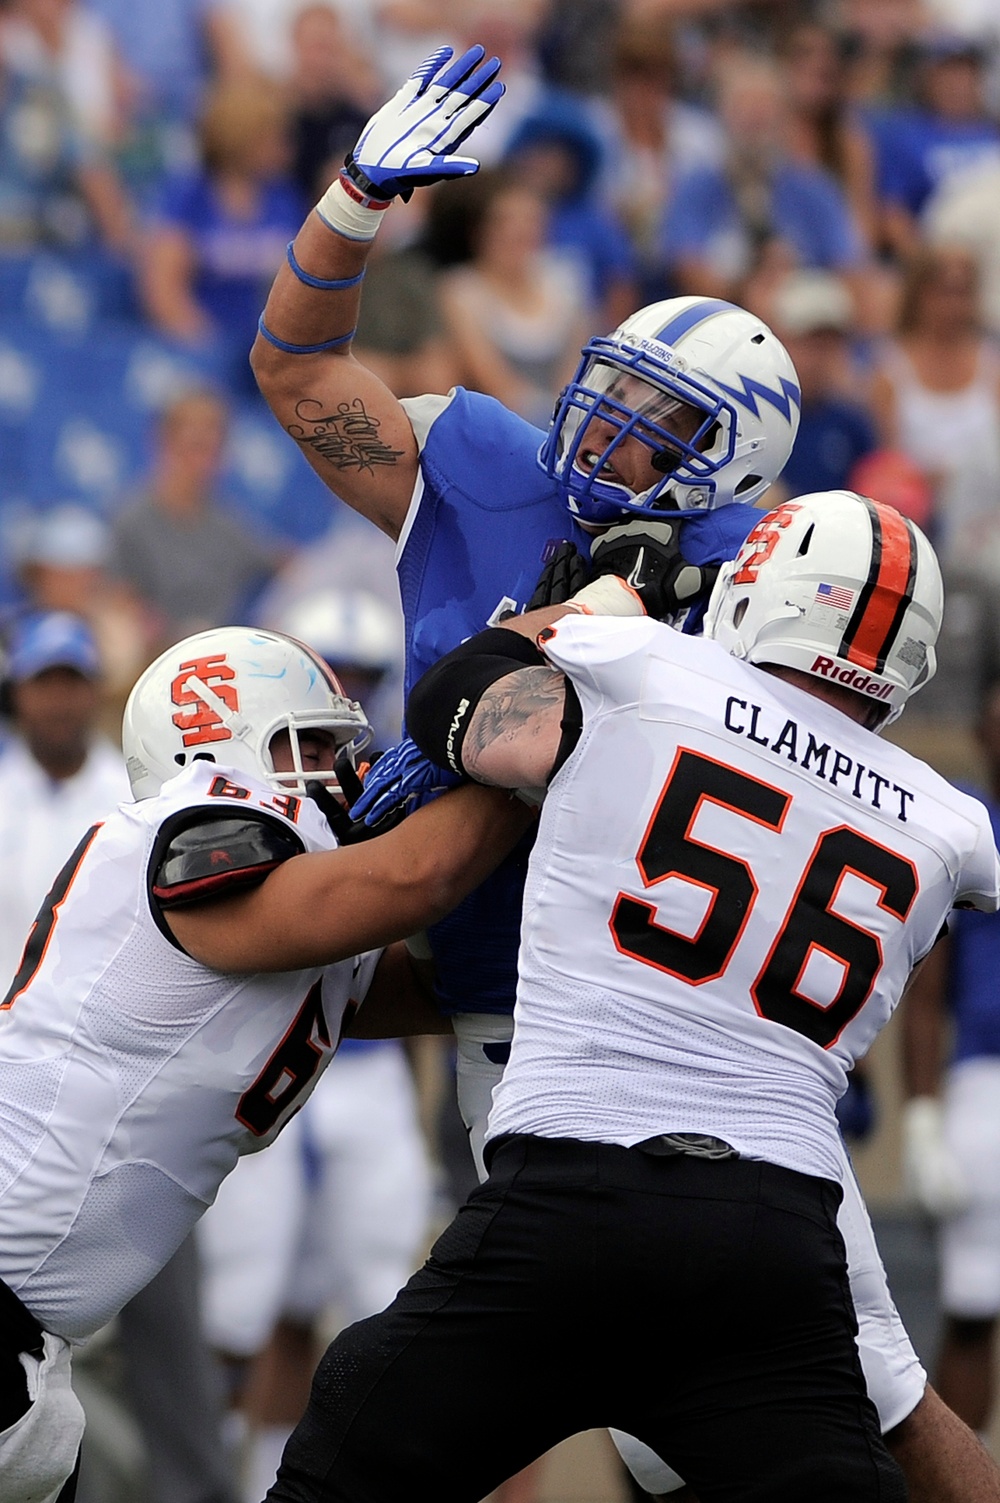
[404, 776]
[410, 142]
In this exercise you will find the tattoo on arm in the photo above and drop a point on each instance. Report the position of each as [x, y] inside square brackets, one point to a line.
[513, 724]
[347, 437]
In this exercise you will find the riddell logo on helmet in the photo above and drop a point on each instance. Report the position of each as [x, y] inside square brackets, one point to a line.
[861, 683]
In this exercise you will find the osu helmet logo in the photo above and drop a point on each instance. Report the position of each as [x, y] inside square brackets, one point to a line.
[762, 541]
[202, 723]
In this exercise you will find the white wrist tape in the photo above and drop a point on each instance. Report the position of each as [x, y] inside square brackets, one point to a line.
[346, 210]
[607, 596]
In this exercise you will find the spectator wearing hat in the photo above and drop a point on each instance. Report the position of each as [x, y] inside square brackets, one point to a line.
[813, 314]
[653, 138]
[57, 776]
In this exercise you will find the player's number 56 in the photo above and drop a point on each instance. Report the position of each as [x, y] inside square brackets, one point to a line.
[810, 923]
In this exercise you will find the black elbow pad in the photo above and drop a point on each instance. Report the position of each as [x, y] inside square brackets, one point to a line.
[441, 703]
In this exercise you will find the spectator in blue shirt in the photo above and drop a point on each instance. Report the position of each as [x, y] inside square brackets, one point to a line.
[920, 149]
[813, 315]
[761, 204]
[219, 234]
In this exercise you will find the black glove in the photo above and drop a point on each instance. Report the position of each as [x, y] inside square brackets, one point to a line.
[348, 830]
[648, 557]
[566, 572]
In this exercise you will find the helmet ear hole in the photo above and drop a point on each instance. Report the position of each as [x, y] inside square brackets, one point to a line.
[180, 758]
[740, 610]
[804, 545]
[747, 483]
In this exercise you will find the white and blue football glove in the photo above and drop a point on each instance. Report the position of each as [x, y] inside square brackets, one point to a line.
[412, 139]
[402, 777]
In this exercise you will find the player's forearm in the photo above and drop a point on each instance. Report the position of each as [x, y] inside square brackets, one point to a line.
[414, 875]
[350, 427]
[327, 906]
[300, 314]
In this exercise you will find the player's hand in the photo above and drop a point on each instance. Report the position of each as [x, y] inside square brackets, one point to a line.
[412, 140]
[647, 556]
[566, 572]
[931, 1174]
[398, 781]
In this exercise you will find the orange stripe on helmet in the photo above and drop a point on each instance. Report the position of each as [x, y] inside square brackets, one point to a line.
[879, 612]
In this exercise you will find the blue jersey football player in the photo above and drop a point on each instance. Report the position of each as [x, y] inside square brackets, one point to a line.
[691, 405]
[671, 429]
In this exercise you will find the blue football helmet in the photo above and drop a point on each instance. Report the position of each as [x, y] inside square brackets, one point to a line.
[703, 384]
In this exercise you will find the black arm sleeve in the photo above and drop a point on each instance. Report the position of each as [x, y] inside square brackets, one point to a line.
[441, 704]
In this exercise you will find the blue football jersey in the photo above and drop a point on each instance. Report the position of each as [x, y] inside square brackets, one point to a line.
[482, 523]
[975, 963]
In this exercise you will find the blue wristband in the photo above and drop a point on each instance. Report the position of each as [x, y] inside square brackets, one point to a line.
[319, 283]
[302, 349]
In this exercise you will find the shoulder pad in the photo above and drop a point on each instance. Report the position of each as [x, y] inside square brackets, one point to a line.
[217, 855]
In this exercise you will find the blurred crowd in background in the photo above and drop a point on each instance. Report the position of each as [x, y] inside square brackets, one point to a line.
[834, 165]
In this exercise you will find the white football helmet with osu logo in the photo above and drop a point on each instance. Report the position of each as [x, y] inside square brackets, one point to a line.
[222, 696]
[706, 389]
[838, 586]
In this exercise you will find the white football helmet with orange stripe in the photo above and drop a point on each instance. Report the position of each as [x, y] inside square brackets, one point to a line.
[222, 696]
[839, 586]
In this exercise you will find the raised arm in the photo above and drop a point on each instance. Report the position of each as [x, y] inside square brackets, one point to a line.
[350, 426]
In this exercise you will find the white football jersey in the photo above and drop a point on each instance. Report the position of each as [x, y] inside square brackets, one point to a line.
[731, 884]
[132, 1076]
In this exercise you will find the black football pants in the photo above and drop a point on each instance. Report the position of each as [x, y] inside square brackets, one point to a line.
[700, 1306]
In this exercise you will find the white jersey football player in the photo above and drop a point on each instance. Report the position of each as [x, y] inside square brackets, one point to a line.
[732, 883]
[185, 982]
